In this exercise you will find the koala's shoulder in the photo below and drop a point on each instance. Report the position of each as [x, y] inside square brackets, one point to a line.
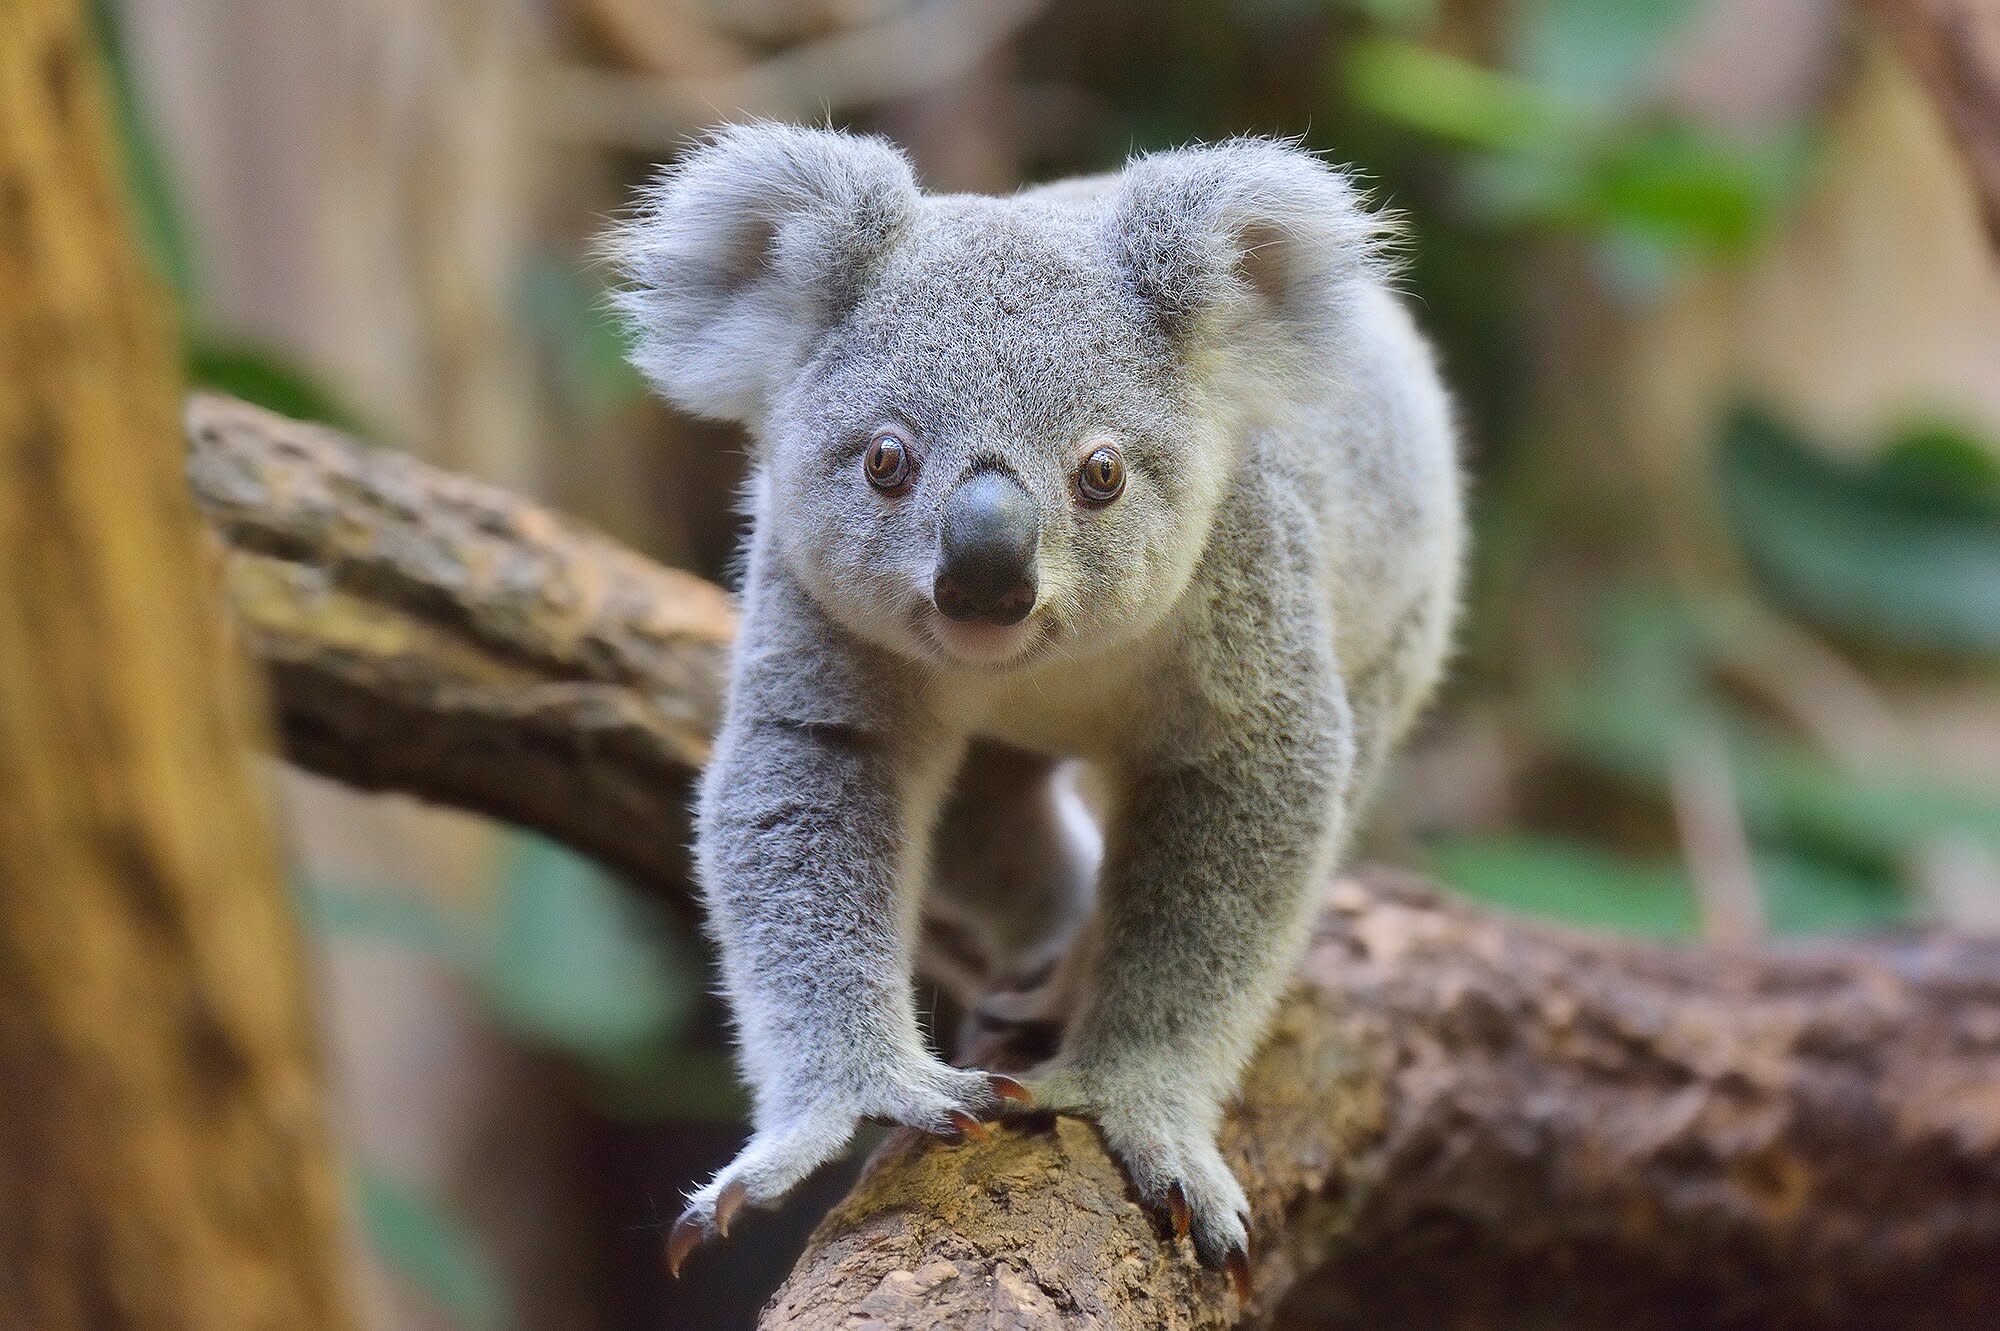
[796, 667]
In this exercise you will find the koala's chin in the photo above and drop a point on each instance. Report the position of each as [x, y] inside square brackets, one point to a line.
[986, 646]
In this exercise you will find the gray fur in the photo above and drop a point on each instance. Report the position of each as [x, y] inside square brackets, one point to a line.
[1234, 644]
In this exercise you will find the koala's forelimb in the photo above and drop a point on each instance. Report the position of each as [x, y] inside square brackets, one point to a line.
[1223, 826]
[1199, 897]
[810, 838]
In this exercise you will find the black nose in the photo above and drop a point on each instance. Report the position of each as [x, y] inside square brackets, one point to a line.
[986, 551]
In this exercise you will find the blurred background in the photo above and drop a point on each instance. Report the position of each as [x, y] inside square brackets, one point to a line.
[1710, 280]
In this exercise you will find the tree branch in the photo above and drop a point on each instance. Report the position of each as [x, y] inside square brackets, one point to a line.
[431, 635]
[1454, 1106]
[1455, 1100]
[1953, 47]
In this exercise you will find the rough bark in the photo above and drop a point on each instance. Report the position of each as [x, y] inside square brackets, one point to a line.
[1954, 48]
[1483, 1122]
[163, 1161]
[436, 636]
[1471, 1120]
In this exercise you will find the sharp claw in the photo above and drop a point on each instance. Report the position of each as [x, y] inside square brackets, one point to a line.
[967, 1125]
[728, 1204]
[1238, 1266]
[1007, 1088]
[687, 1235]
[1177, 1211]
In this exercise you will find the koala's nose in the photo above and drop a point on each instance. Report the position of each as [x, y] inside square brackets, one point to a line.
[986, 551]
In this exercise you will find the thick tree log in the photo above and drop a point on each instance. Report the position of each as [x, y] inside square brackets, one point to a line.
[1509, 1120]
[163, 1160]
[1503, 1124]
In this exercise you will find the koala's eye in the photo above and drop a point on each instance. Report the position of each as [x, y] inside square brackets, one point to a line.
[1101, 478]
[889, 461]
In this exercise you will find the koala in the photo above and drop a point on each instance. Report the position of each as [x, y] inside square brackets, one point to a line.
[1149, 471]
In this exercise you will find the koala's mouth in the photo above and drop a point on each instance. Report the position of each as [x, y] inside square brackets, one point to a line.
[984, 645]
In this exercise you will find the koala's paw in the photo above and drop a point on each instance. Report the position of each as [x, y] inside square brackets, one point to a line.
[951, 1103]
[770, 1165]
[1172, 1160]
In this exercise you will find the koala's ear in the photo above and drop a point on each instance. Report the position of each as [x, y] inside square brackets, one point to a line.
[747, 250]
[1214, 235]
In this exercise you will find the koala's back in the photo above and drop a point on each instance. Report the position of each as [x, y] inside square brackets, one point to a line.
[1393, 507]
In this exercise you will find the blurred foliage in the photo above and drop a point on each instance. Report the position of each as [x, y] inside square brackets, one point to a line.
[428, 1247]
[1834, 843]
[1571, 881]
[1580, 152]
[1653, 687]
[562, 955]
[1600, 53]
[1565, 136]
[258, 376]
[571, 960]
[587, 343]
[1905, 549]
[149, 186]
[1593, 887]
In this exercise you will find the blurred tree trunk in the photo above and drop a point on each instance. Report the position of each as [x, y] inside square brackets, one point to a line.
[162, 1154]
[361, 182]
[1953, 47]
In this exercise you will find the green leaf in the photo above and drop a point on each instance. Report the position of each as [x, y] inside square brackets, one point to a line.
[1669, 190]
[1592, 888]
[573, 961]
[1902, 551]
[267, 381]
[1810, 894]
[1601, 51]
[1401, 15]
[589, 344]
[1647, 693]
[402, 919]
[1441, 94]
[1881, 816]
[1694, 187]
[1571, 882]
[563, 956]
[426, 1246]
[1936, 456]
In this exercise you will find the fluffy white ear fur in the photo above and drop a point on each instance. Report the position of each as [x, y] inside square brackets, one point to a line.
[747, 249]
[1214, 236]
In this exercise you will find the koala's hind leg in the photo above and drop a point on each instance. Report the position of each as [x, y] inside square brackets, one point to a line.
[1013, 862]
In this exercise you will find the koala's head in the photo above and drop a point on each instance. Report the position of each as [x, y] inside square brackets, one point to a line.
[989, 428]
